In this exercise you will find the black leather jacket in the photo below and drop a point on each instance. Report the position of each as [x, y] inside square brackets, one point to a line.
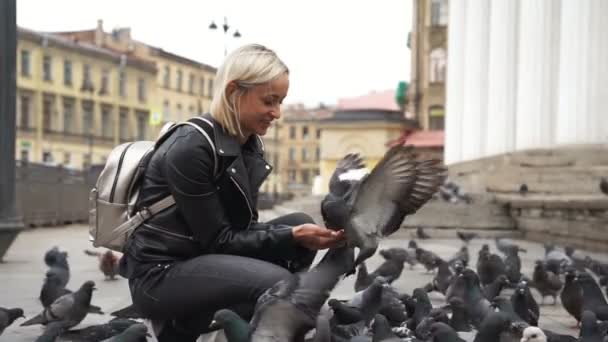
[211, 214]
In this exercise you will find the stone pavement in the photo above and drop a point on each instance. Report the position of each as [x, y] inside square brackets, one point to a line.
[23, 270]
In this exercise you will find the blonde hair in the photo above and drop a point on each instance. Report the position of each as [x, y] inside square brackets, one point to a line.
[248, 66]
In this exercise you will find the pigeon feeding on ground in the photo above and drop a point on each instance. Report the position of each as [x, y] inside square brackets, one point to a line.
[376, 206]
[69, 309]
[8, 316]
[108, 263]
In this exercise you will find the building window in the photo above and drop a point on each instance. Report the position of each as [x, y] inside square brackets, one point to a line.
[304, 154]
[47, 68]
[67, 72]
[210, 87]
[86, 160]
[122, 84]
[305, 176]
[318, 153]
[107, 124]
[167, 111]
[26, 112]
[87, 84]
[438, 64]
[201, 87]
[292, 154]
[178, 113]
[123, 124]
[292, 176]
[47, 115]
[142, 124]
[47, 157]
[87, 118]
[25, 63]
[191, 84]
[304, 132]
[68, 116]
[436, 118]
[141, 90]
[318, 133]
[25, 155]
[292, 132]
[179, 80]
[191, 110]
[439, 12]
[167, 77]
[105, 81]
[67, 158]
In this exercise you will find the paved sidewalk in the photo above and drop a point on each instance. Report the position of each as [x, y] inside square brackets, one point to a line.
[22, 273]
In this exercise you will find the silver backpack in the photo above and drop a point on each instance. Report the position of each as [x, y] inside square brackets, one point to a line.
[112, 201]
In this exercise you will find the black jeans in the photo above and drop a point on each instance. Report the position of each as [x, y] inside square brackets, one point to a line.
[186, 294]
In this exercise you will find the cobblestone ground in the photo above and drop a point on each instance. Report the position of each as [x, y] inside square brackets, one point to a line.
[23, 270]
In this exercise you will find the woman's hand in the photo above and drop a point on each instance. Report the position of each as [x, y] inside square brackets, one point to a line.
[316, 237]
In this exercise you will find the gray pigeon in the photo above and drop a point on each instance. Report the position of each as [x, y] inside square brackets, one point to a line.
[477, 305]
[99, 332]
[8, 316]
[593, 298]
[590, 331]
[286, 311]
[369, 301]
[524, 304]
[442, 332]
[52, 289]
[460, 318]
[134, 333]
[69, 309]
[375, 207]
[493, 289]
[492, 327]
[52, 331]
[546, 282]
[57, 261]
[572, 296]
[382, 330]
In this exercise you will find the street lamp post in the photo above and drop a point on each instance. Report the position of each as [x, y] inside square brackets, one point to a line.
[10, 223]
[236, 33]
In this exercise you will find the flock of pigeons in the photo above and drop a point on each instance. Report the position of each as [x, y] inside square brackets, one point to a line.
[490, 301]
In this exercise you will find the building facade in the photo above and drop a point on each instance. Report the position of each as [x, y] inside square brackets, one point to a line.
[75, 101]
[185, 86]
[525, 74]
[428, 43]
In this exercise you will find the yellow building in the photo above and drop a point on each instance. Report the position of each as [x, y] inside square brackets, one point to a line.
[365, 131]
[185, 86]
[76, 101]
[292, 147]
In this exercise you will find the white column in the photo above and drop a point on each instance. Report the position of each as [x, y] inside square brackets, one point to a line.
[583, 74]
[502, 72]
[475, 107]
[537, 73]
[454, 82]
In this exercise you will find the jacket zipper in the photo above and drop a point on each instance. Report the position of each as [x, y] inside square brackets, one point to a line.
[122, 157]
[164, 231]
[246, 201]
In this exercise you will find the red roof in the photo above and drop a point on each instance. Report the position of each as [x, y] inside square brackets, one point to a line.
[374, 100]
[425, 139]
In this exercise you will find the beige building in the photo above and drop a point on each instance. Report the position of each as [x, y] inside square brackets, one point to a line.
[76, 101]
[185, 86]
[428, 42]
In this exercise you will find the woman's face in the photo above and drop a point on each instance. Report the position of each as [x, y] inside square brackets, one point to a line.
[261, 105]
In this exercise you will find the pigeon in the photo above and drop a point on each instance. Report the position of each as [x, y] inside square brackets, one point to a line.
[477, 305]
[524, 304]
[69, 309]
[369, 301]
[421, 234]
[466, 237]
[492, 327]
[51, 290]
[503, 304]
[423, 307]
[572, 296]
[8, 316]
[555, 337]
[287, 310]
[134, 333]
[489, 267]
[57, 261]
[460, 319]
[392, 267]
[441, 281]
[427, 258]
[376, 206]
[462, 255]
[108, 263]
[533, 334]
[604, 185]
[364, 279]
[590, 331]
[523, 189]
[593, 298]
[546, 282]
[408, 255]
[127, 312]
[344, 313]
[505, 246]
[513, 266]
[52, 331]
[99, 332]
[493, 289]
[392, 307]
[442, 332]
[382, 330]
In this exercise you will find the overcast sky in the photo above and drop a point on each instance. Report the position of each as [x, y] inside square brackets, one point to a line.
[334, 48]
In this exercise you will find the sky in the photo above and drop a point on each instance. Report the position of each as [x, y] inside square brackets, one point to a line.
[334, 49]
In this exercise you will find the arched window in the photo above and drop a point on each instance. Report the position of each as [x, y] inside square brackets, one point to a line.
[438, 64]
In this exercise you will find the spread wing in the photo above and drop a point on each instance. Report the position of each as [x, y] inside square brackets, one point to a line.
[398, 186]
[351, 161]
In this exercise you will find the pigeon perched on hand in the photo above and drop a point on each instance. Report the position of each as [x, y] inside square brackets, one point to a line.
[376, 206]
